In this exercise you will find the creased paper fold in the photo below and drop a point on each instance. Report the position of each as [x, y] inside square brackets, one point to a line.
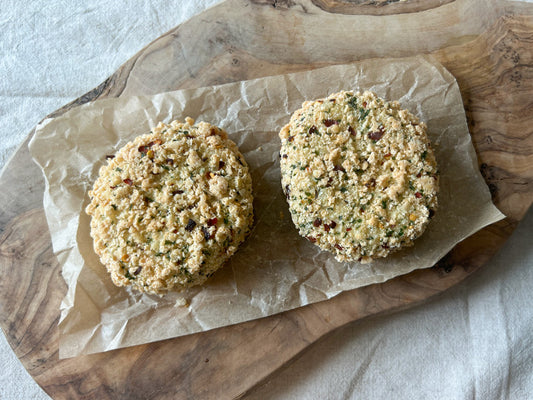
[275, 269]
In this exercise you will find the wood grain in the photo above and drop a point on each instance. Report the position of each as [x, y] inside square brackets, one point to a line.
[492, 60]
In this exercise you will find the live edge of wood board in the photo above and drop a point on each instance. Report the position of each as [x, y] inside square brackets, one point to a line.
[487, 47]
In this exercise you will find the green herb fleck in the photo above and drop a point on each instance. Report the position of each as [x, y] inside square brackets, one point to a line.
[353, 102]
[363, 114]
[129, 276]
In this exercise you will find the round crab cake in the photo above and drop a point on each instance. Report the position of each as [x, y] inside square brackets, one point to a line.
[359, 175]
[171, 207]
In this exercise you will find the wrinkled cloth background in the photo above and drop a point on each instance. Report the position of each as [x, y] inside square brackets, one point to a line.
[474, 341]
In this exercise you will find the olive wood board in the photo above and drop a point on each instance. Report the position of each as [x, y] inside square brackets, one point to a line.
[487, 47]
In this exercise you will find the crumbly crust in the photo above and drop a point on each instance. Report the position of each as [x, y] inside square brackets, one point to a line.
[171, 207]
[359, 175]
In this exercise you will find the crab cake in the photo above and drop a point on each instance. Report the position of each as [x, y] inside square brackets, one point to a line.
[171, 207]
[359, 175]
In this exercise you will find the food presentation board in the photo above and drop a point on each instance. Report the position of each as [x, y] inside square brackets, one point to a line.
[488, 49]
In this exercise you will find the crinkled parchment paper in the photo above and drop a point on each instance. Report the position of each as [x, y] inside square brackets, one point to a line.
[275, 269]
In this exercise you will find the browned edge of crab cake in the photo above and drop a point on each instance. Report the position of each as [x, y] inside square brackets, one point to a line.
[170, 207]
[359, 174]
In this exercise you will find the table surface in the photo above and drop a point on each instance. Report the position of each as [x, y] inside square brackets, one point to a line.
[473, 341]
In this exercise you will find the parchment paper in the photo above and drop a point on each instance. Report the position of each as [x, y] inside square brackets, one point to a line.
[275, 269]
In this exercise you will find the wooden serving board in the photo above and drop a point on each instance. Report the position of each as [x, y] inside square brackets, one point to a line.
[487, 47]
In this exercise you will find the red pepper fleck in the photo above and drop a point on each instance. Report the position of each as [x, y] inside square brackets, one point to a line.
[212, 221]
[138, 271]
[313, 130]
[332, 100]
[339, 168]
[112, 187]
[311, 239]
[338, 247]
[364, 103]
[291, 138]
[375, 136]
[144, 149]
[221, 164]
[332, 224]
[384, 246]
[329, 122]
[128, 181]
[351, 130]
[419, 175]
[418, 195]
[326, 227]
[348, 229]
[109, 157]
[317, 222]
[169, 161]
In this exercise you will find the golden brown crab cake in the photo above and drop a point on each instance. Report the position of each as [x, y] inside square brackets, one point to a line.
[171, 207]
[359, 175]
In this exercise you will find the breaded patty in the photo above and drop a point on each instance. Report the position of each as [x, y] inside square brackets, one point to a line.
[170, 207]
[359, 175]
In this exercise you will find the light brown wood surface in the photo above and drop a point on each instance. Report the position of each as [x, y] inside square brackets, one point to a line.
[488, 48]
